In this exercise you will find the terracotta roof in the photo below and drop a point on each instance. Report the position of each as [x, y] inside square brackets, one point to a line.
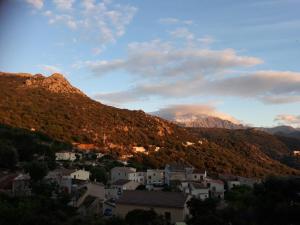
[153, 199]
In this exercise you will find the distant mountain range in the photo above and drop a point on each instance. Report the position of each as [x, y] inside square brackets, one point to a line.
[206, 121]
[203, 121]
[287, 131]
[52, 106]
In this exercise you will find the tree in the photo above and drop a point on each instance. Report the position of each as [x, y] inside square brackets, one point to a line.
[204, 212]
[8, 155]
[37, 170]
[99, 174]
[145, 217]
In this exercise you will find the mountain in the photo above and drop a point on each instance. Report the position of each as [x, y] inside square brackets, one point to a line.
[52, 106]
[206, 122]
[287, 131]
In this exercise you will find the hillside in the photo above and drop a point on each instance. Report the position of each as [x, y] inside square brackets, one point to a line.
[286, 131]
[276, 147]
[52, 106]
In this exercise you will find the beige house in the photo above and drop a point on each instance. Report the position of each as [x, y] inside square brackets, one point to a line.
[139, 177]
[121, 173]
[65, 156]
[155, 177]
[80, 175]
[122, 185]
[172, 205]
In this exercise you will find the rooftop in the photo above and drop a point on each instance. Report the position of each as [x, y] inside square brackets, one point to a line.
[153, 199]
[121, 182]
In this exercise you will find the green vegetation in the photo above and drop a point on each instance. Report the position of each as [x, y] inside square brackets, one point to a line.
[21, 145]
[274, 202]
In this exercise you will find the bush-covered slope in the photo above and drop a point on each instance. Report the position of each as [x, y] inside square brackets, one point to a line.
[50, 105]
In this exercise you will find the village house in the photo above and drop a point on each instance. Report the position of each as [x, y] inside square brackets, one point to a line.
[122, 185]
[197, 190]
[21, 185]
[216, 188]
[82, 175]
[91, 200]
[65, 156]
[177, 172]
[121, 173]
[174, 172]
[154, 177]
[139, 177]
[196, 175]
[139, 149]
[172, 205]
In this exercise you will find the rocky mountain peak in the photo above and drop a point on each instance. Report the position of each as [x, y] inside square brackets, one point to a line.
[55, 83]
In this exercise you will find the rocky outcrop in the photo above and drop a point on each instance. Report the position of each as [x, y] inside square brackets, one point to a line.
[55, 83]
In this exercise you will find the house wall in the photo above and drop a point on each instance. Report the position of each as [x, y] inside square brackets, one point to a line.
[70, 156]
[139, 177]
[177, 215]
[155, 177]
[200, 193]
[195, 176]
[119, 173]
[81, 175]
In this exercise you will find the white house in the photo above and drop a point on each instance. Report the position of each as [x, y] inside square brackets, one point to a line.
[121, 173]
[155, 177]
[80, 175]
[196, 175]
[65, 156]
[139, 177]
[199, 190]
[216, 187]
[139, 149]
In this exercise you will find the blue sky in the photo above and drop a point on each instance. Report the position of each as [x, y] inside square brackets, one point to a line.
[238, 60]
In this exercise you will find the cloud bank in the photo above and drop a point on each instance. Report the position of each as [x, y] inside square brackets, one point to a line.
[103, 22]
[288, 119]
[192, 112]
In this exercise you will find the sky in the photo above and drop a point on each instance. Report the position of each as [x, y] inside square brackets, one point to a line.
[238, 60]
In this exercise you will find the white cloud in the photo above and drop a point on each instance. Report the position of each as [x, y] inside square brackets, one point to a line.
[38, 4]
[51, 69]
[183, 112]
[288, 119]
[101, 22]
[157, 59]
[64, 4]
[206, 40]
[174, 21]
[183, 33]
